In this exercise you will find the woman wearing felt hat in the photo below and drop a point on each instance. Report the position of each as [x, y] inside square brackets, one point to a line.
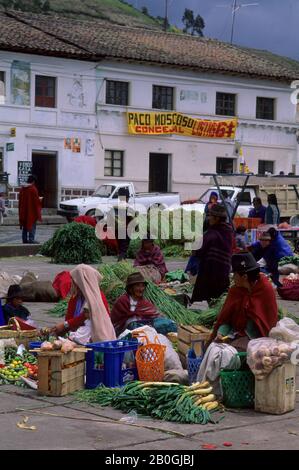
[250, 309]
[132, 310]
[13, 306]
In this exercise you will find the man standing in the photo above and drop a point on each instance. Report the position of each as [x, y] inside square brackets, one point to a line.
[29, 210]
[258, 211]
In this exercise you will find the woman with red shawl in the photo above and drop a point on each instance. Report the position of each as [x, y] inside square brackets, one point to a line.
[132, 310]
[250, 310]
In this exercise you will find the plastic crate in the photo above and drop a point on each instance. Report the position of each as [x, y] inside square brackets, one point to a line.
[238, 386]
[111, 363]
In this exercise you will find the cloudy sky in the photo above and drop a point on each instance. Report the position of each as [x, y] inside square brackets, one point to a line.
[272, 25]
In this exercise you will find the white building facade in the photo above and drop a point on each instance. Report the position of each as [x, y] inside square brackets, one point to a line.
[68, 119]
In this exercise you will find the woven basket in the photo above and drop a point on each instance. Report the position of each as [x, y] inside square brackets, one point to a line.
[150, 361]
[238, 386]
[20, 336]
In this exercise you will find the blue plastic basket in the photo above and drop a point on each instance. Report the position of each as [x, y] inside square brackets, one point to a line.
[111, 363]
[193, 362]
[193, 368]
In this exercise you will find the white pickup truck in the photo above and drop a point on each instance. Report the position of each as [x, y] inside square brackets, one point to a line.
[105, 197]
[232, 191]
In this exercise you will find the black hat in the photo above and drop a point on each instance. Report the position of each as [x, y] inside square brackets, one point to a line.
[218, 211]
[13, 292]
[243, 263]
[135, 278]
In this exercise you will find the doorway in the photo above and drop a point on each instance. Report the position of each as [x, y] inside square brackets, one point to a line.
[44, 167]
[159, 172]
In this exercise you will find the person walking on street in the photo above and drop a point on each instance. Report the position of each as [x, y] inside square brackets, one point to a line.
[272, 216]
[29, 210]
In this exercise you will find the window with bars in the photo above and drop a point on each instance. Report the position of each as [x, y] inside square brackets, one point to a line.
[114, 160]
[45, 91]
[225, 104]
[265, 108]
[162, 97]
[117, 92]
[265, 166]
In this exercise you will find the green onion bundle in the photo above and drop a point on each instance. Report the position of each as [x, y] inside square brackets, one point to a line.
[160, 400]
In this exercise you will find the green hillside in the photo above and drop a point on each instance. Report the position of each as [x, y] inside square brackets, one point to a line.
[115, 11]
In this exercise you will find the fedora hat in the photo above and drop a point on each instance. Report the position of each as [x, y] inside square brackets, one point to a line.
[13, 292]
[135, 278]
[218, 211]
[243, 263]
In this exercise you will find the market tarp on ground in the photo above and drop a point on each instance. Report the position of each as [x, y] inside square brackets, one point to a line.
[177, 123]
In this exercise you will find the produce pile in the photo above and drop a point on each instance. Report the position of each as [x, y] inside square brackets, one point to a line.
[170, 307]
[59, 309]
[289, 260]
[111, 285]
[264, 354]
[17, 366]
[63, 345]
[160, 400]
[74, 244]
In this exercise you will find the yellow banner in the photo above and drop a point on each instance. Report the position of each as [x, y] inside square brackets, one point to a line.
[181, 124]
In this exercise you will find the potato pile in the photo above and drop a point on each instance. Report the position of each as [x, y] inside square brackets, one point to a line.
[265, 354]
[63, 345]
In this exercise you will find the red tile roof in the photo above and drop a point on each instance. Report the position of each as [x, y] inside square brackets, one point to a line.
[97, 40]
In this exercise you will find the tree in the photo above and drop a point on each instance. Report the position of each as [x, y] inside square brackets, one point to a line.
[194, 25]
[198, 26]
[188, 19]
[145, 11]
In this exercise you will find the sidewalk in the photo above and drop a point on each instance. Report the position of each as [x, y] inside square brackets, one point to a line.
[47, 220]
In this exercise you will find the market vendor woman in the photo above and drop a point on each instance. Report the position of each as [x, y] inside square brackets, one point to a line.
[250, 310]
[132, 310]
[87, 303]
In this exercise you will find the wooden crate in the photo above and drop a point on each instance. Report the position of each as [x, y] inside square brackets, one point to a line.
[60, 374]
[189, 334]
